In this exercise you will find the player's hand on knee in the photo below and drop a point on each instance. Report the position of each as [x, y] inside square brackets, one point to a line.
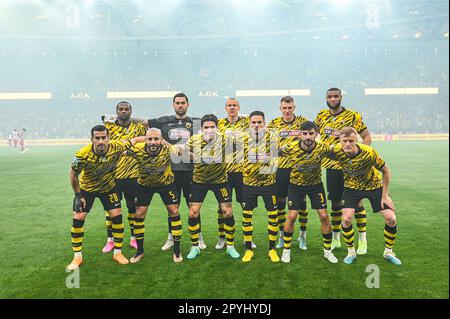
[78, 203]
[387, 201]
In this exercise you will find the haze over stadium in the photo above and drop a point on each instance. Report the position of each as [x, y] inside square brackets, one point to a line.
[80, 52]
[66, 63]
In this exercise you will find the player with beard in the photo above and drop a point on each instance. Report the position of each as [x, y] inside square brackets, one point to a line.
[177, 129]
[306, 157]
[259, 169]
[126, 171]
[96, 165]
[330, 122]
[155, 176]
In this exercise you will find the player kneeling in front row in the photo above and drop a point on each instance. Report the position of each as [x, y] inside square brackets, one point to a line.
[208, 152]
[155, 176]
[97, 163]
[362, 179]
[306, 179]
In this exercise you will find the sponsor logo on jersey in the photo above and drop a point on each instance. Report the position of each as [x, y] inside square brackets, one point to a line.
[306, 168]
[177, 133]
[211, 160]
[153, 170]
[332, 132]
[262, 157]
[293, 133]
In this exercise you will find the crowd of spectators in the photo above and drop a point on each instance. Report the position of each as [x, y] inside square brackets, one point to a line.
[222, 72]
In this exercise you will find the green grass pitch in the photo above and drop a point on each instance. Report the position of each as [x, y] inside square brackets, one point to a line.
[36, 201]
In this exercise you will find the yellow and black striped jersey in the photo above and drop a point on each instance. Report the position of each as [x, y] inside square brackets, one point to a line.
[287, 133]
[209, 159]
[234, 157]
[330, 127]
[127, 167]
[306, 165]
[154, 170]
[361, 172]
[98, 171]
[260, 159]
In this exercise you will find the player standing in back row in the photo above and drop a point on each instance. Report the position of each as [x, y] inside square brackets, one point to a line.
[126, 171]
[232, 126]
[287, 128]
[330, 122]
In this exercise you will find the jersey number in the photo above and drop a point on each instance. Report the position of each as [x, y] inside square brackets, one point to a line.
[322, 199]
[224, 192]
[113, 198]
[274, 200]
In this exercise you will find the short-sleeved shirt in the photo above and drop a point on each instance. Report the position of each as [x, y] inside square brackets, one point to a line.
[127, 166]
[209, 159]
[98, 171]
[306, 165]
[361, 172]
[330, 127]
[260, 159]
[287, 133]
[154, 170]
[232, 130]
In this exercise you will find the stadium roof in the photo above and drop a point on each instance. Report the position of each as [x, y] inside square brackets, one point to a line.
[229, 22]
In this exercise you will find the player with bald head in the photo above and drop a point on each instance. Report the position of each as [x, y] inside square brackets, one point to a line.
[232, 126]
[155, 176]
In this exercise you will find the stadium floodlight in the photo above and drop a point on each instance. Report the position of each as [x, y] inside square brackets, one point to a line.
[26, 96]
[418, 34]
[402, 91]
[266, 93]
[446, 34]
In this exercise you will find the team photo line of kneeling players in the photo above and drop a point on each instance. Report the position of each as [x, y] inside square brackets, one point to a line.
[280, 161]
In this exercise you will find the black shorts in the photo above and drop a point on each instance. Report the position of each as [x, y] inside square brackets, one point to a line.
[127, 188]
[283, 178]
[352, 197]
[235, 182]
[250, 196]
[109, 200]
[297, 196]
[335, 184]
[169, 195]
[183, 182]
[221, 191]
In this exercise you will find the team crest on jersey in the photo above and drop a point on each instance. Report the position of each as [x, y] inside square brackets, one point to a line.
[243, 205]
[188, 125]
[290, 203]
